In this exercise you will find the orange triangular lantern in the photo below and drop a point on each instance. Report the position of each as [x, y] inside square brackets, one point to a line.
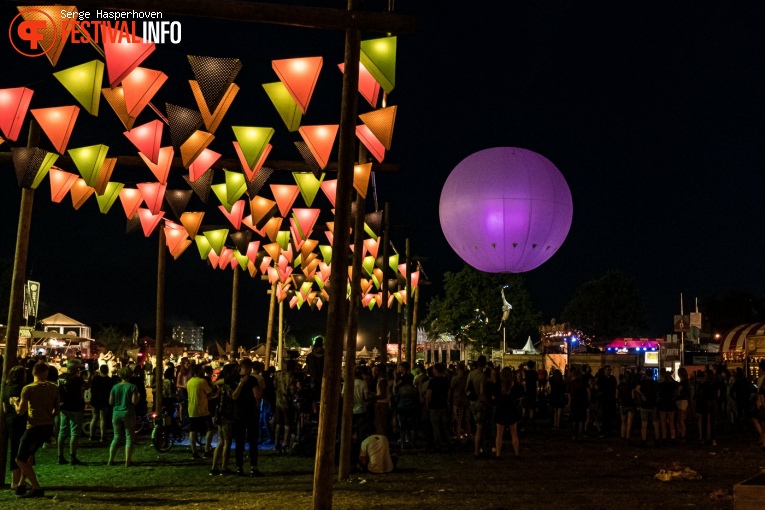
[80, 193]
[272, 228]
[371, 245]
[104, 175]
[57, 123]
[131, 200]
[368, 86]
[285, 195]
[180, 248]
[361, 175]
[149, 221]
[250, 173]
[273, 250]
[213, 119]
[164, 161]
[174, 237]
[123, 51]
[236, 214]
[52, 42]
[147, 138]
[330, 189]
[191, 221]
[320, 140]
[194, 145]
[60, 184]
[139, 87]
[116, 99]
[14, 104]
[152, 194]
[306, 219]
[371, 142]
[380, 123]
[202, 163]
[299, 75]
[261, 208]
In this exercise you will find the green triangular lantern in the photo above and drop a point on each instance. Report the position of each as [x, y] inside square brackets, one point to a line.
[368, 264]
[217, 239]
[31, 165]
[370, 232]
[110, 195]
[318, 281]
[84, 83]
[242, 259]
[203, 245]
[236, 185]
[47, 163]
[393, 262]
[326, 253]
[288, 109]
[309, 185]
[379, 57]
[89, 161]
[298, 260]
[283, 239]
[252, 141]
[222, 194]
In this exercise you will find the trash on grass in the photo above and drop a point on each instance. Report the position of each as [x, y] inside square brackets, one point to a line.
[665, 475]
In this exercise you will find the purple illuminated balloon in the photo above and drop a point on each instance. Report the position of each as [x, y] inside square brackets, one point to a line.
[505, 210]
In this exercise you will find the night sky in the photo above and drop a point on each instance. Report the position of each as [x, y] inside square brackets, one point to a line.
[653, 113]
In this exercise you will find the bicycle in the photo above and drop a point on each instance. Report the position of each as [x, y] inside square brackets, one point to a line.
[166, 430]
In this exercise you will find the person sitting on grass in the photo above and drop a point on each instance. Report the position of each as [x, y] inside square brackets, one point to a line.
[375, 454]
[123, 397]
[40, 401]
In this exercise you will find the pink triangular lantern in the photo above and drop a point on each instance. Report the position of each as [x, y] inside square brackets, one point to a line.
[273, 275]
[369, 140]
[174, 237]
[402, 269]
[299, 75]
[265, 264]
[57, 123]
[285, 195]
[214, 258]
[131, 200]
[306, 219]
[202, 163]
[149, 221]
[320, 140]
[415, 279]
[371, 245]
[368, 86]
[250, 173]
[330, 237]
[252, 250]
[139, 87]
[60, 184]
[152, 194]
[236, 214]
[293, 301]
[124, 52]
[225, 258]
[162, 168]
[147, 138]
[14, 104]
[330, 190]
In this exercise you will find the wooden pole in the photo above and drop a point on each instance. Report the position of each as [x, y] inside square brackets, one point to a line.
[234, 308]
[336, 315]
[280, 343]
[18, 281]
[160, 320]
[384, 328]
[407, 310]
[270, 330]
[415, 306]
[344, 468]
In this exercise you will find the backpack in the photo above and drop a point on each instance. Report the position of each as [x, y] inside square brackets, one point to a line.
[226, 404]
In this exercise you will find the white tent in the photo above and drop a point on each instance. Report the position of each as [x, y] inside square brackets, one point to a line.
[527, 349]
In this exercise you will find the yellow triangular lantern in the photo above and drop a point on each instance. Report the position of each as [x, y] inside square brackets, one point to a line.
[288, 109]
[379, 57]
[84, 83]
[217, 239]
[109, 196]
[203, 245]
[361, 175]
[89, 161]
[380, 123]
[309, 185]
[252, 141]
[235, 186]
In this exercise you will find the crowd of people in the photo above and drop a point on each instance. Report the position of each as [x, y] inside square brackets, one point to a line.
[396, 408]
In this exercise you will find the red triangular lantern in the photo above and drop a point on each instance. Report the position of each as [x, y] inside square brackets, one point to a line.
[14, 104]
[131, 200]
[152, 193]
[80, 192]
[57, 123]
[236, 214]
[60, 184]
[368, 86]
[149, 221]
[370, 142]
[306, 219]
[285, 195]
[299, 75]
[147, 138]
[320, 140]
[162, 168]
[202, 163]
[330, 189]
[139, 87]
[250, 173]
[124, 52]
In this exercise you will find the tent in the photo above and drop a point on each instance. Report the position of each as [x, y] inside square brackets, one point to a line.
[363, 353]
[527, 349]
[65, 324]
[745, 336]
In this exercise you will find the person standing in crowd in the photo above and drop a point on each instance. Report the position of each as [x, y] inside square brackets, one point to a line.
[475, 389]
[577, 402]
[508, 412]
[200, 422]
[382, 399]
[123, 398]
[246, 416]
[40, 402]
[407, 410]
[682, 400]
[557, 396]
[315, 367]
[225, 414]
[436, 398]
[360, 399]
[71, 386]
[181, 378]
[626, 399]
[646, 390]
[284, 410]
[667, 405]
[15, 424]
[607, 386]
[530, 380]
[100, 388]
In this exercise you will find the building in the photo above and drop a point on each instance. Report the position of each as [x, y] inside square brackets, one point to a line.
[192, 336]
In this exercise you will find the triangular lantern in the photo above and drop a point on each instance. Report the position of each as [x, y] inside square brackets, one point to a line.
[60, 184]
[254, 186]
[309, 158]
[149, 221]
[214, 77]
[217, 239]
[202, 185]
[203, 245]
[285, 195]
[202, 164]
[361, 175]
[235, 215]
[370, 141]
[116, 99]
[178, 199]
[140, 86]
[124, 52]
[288, 109]
[306, 219]
[89, 161]
[330, 190]
[109, 196]
[174, 236]
[262, 209]
[104, 175]
[379, 57]
[160, 169]
[84, 83]
[183, 122]
[53, 41]
[368, 86]
[57, 123]
[147, 138]
[380, 123]
[235, 185]
[299, 75]
[14, 104]
[309, 185]
[180, 248]
[272, 227]
[252, 141]
[212, 119]
[131, 200]
[251, 172]
[31, 165]
[320, 140]
[80, 193]
[152, 194]
[191, 221]
[241, 240]
[194, 145]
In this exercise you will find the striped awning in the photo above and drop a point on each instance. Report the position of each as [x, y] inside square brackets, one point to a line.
[734, 339]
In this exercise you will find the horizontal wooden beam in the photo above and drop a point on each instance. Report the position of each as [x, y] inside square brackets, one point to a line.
[257, 12]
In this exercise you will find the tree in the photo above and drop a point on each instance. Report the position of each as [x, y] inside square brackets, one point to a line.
[113, 339]
[608, 307]
[732, 308]
[471, 308]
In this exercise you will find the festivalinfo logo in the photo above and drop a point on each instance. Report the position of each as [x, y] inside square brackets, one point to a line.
[36, 30]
